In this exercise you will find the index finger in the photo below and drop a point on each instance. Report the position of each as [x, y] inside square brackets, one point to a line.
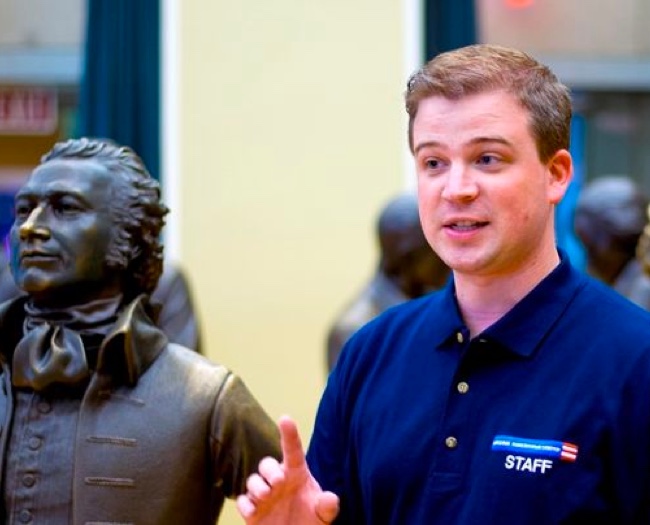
[292, 451]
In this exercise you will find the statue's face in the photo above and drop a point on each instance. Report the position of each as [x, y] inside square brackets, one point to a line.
[62, 231]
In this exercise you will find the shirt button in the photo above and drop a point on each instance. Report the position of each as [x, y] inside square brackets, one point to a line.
[29, 480]
[451, 442]
[43, 407]
[462, 387]
[35, 442]
[459, 337]
[25, 516]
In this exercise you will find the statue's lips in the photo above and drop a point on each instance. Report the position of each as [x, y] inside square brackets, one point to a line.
[35, 257]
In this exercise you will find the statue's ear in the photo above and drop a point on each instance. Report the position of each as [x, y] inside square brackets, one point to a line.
[121, 252]
[135, 252]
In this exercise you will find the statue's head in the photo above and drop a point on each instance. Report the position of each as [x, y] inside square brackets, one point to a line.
[87, 225]
[406, 256]
[609, 218]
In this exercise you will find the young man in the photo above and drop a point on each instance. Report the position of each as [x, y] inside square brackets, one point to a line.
[103, 420]
[517, 394]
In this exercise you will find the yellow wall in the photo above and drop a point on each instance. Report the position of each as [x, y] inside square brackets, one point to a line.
[292, 137]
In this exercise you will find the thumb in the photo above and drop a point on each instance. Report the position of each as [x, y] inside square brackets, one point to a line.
[327, 507]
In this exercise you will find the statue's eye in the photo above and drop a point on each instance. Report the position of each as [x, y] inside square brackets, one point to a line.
[67, 206]
[22, 210]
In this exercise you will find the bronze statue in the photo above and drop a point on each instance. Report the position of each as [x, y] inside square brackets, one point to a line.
[609, 219]
[408, 268]
[103, 419]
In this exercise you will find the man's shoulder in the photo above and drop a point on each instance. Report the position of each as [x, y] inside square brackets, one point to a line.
[602, 299]
[411, 311]
[601, 312]
[409, 321]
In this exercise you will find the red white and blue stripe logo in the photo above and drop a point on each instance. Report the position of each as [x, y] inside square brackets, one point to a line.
[536, 447]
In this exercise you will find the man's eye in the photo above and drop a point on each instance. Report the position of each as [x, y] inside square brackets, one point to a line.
[487, 160]
[432, 164]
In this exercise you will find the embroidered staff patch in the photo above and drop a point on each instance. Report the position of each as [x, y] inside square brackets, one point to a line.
[536, 447]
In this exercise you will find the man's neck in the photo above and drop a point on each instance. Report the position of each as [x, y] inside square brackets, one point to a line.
[484, 299]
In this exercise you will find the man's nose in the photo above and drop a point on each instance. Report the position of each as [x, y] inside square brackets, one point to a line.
[34, 225]
[460, 184]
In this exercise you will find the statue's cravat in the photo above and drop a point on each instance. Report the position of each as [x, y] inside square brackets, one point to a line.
[52, 349]
[49, 354]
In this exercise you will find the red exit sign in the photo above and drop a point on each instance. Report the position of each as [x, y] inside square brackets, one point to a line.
[28, 110]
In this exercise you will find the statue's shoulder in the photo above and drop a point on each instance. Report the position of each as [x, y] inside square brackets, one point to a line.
[193, 366]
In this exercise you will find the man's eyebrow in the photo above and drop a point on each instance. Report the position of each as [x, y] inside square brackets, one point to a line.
[427, 144]
[477, 140]
[490, 140]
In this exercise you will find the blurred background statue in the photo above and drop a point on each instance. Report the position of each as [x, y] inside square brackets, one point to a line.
[8, 288]
[610, 216]
[642, 291]
[408, 268]
[177, 316]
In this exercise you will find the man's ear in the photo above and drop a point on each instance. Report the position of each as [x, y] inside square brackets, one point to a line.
[560, 172]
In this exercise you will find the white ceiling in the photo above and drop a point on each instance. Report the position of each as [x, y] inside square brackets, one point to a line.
[41, 23]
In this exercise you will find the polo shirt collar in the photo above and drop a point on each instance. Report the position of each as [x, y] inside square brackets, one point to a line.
[521, 330]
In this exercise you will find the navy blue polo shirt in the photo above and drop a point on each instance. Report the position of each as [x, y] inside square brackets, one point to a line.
[544, 418]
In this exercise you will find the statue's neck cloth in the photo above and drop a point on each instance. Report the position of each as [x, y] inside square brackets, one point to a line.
[52, 350]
